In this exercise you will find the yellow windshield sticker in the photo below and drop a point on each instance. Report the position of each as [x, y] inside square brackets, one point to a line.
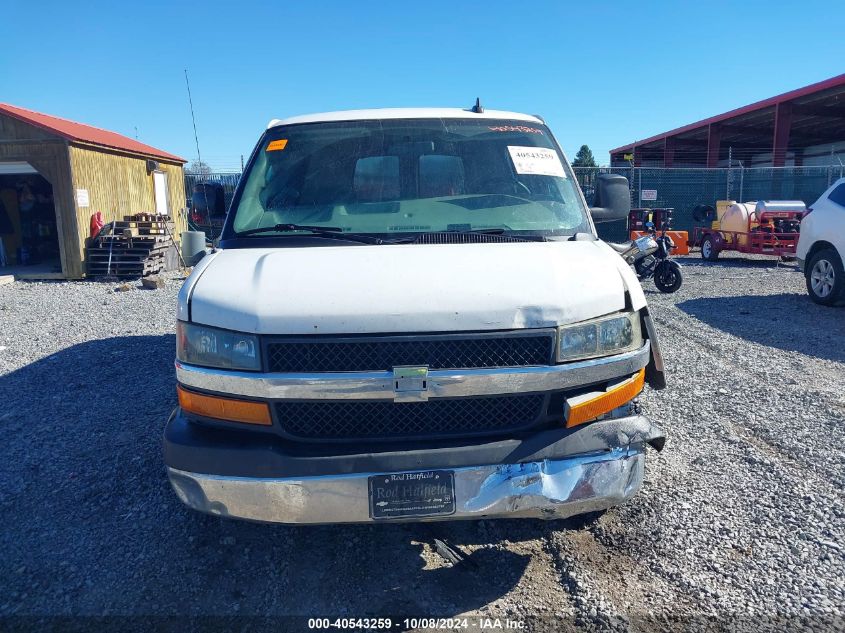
[275, 146]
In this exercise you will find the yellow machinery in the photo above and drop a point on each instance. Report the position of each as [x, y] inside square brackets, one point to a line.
[721, 207]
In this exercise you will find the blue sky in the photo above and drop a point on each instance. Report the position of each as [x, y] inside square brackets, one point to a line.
[601, 73]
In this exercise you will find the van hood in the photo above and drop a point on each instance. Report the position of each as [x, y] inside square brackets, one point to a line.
[407, 288]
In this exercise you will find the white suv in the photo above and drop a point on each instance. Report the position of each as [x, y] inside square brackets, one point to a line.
[821, 248]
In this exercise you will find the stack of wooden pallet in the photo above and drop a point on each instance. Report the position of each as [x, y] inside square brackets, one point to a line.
[142, 244]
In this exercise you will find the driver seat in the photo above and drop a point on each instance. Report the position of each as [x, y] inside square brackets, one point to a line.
[621, 248]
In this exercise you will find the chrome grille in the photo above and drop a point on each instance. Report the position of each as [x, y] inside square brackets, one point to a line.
[444, 351]
[369, 419]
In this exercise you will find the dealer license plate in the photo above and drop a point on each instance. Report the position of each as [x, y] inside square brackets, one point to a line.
[426, 493]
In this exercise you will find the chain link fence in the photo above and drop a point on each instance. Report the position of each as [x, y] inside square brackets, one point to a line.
[199, 198]
[228, 180]
[657, 187]
[683, 188]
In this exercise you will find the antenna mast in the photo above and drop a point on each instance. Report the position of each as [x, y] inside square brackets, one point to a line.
[193, 119]
[199, 157]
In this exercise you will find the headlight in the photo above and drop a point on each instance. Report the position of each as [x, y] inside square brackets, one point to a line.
[612, 334]
[211, 347]
[645, 244]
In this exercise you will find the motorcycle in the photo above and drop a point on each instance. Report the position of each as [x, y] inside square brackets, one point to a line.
[649, 255]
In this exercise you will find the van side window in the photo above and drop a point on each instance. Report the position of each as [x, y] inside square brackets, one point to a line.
[838, 195]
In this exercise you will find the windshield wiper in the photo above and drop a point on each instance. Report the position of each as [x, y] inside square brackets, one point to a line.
[330, 232]
[283, 228]
[494, 231]
[506, 231]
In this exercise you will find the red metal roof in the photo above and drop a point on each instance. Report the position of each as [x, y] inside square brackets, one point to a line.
[73, 131]
[833, 82]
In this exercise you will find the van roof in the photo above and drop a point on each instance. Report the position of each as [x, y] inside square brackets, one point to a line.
[403, 113]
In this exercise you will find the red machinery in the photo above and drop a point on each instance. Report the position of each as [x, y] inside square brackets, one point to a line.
[769, 227]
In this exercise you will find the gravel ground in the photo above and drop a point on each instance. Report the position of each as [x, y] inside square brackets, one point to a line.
[740, 523]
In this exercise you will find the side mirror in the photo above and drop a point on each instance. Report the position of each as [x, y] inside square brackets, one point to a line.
[612, 199]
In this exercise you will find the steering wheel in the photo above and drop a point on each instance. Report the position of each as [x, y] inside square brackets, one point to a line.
[516, 186]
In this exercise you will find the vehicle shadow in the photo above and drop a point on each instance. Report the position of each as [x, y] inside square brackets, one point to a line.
[92, 527]
[788, 321]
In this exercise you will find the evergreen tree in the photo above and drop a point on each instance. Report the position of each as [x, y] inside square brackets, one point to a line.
[584, 158]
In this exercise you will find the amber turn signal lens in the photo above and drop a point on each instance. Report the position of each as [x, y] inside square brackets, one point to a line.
[224, 408]
[589, 406]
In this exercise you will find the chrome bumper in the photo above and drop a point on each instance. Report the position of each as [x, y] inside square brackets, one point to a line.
[547, 489]
[378, 385]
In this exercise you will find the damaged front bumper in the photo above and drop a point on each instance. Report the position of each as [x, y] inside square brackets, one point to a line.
[601, 466]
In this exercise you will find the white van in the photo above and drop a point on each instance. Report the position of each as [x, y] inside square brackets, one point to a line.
[410, 317]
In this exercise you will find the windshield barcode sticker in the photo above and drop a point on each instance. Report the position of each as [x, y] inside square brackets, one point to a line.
[539, 161]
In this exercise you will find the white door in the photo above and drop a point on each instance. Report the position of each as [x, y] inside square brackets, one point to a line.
[160, 186]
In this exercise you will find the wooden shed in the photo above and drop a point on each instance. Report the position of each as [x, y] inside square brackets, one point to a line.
[55, 174]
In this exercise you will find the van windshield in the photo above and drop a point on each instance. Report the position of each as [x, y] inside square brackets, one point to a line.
[407, 176]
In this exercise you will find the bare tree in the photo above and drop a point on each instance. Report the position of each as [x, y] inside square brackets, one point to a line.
[198, 168]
